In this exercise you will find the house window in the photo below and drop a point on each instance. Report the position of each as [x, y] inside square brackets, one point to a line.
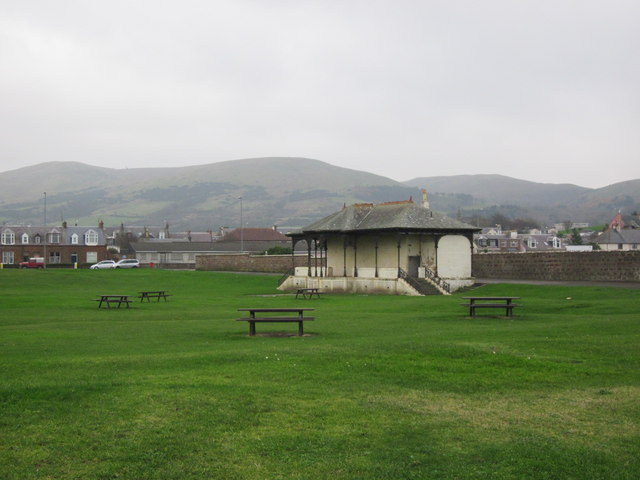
[74, 239]
[53, 237]
[91, 237]
[532, 243]
[54, 257]
[37, 239]
[482, 242]
[634, 246]
[7, 258]
[161, 235]
[620, 246]
[92, 257]
[8, 237]
[25, 238]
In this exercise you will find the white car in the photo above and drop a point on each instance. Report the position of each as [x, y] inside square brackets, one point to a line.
[103, 264]
[128, 263]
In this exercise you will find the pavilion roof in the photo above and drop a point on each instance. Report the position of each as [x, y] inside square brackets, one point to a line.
[395, 216]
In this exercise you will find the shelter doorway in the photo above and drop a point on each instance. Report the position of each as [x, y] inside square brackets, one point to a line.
[414, 265]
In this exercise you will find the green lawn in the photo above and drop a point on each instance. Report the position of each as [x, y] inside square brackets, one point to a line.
[381, 387]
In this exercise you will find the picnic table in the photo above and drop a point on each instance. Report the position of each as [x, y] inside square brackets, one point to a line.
[308, 291]
[253, 318]
[117, 300]
[158, 294]
[491, 302]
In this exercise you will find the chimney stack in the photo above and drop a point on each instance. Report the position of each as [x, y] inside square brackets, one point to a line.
[425, 202]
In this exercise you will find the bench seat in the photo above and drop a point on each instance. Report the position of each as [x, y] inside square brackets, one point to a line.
[253, 320]
[490, 305]
[115, 302]
[142, 297]
[508, 307]
[275, 319]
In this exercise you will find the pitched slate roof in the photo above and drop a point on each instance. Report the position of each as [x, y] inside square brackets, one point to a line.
[254, 235]
[145, 246]
[619, 236]
[394, 216]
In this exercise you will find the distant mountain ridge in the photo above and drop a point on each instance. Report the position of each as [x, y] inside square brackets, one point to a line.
[281, 191]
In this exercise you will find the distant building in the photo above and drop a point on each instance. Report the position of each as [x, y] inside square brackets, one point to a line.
[62, 244]
[513, 242]
[620, 235]
[181, 252]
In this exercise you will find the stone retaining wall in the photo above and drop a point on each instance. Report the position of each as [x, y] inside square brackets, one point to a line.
[244, 262]
[560, 266]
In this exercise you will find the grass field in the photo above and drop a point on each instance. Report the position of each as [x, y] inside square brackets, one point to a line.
[381, 387]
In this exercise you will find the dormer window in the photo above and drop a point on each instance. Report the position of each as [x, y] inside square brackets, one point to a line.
[91, 237]
[25, 238]
[53, 237]
[74, 239]
[532, 242]
[8, 237]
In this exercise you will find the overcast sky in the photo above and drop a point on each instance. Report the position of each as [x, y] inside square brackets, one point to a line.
[547, 91]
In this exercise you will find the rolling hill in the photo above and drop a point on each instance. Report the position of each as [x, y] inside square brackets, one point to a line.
[277, 191]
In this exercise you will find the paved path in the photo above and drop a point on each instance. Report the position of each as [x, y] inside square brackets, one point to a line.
[631, 285]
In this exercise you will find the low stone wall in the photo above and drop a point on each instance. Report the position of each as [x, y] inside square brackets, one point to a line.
[244, 262]
[559, 266]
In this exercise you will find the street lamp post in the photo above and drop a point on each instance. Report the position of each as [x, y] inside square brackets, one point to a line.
[241, 229]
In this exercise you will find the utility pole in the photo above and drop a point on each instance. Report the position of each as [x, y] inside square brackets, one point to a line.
[45, 230]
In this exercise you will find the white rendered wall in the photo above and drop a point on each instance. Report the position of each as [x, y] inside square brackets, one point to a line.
[454, 257]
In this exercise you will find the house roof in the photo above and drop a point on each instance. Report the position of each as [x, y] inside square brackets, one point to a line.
[394, 216]
[254, 235]
[66, 232]
[619, 236]
[146, 246]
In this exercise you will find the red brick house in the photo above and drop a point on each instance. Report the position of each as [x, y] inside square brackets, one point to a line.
[58, 245]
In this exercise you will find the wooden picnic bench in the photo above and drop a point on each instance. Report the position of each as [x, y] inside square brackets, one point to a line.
[117, 300]
[261, 318]
[158, 294]
[308, 291]
[491, 302]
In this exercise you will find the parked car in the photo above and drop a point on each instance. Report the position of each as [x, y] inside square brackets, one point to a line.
[103, 264]
[35, 262]
[128, 263]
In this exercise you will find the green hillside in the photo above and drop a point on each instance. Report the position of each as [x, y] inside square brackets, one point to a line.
[280, 191]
